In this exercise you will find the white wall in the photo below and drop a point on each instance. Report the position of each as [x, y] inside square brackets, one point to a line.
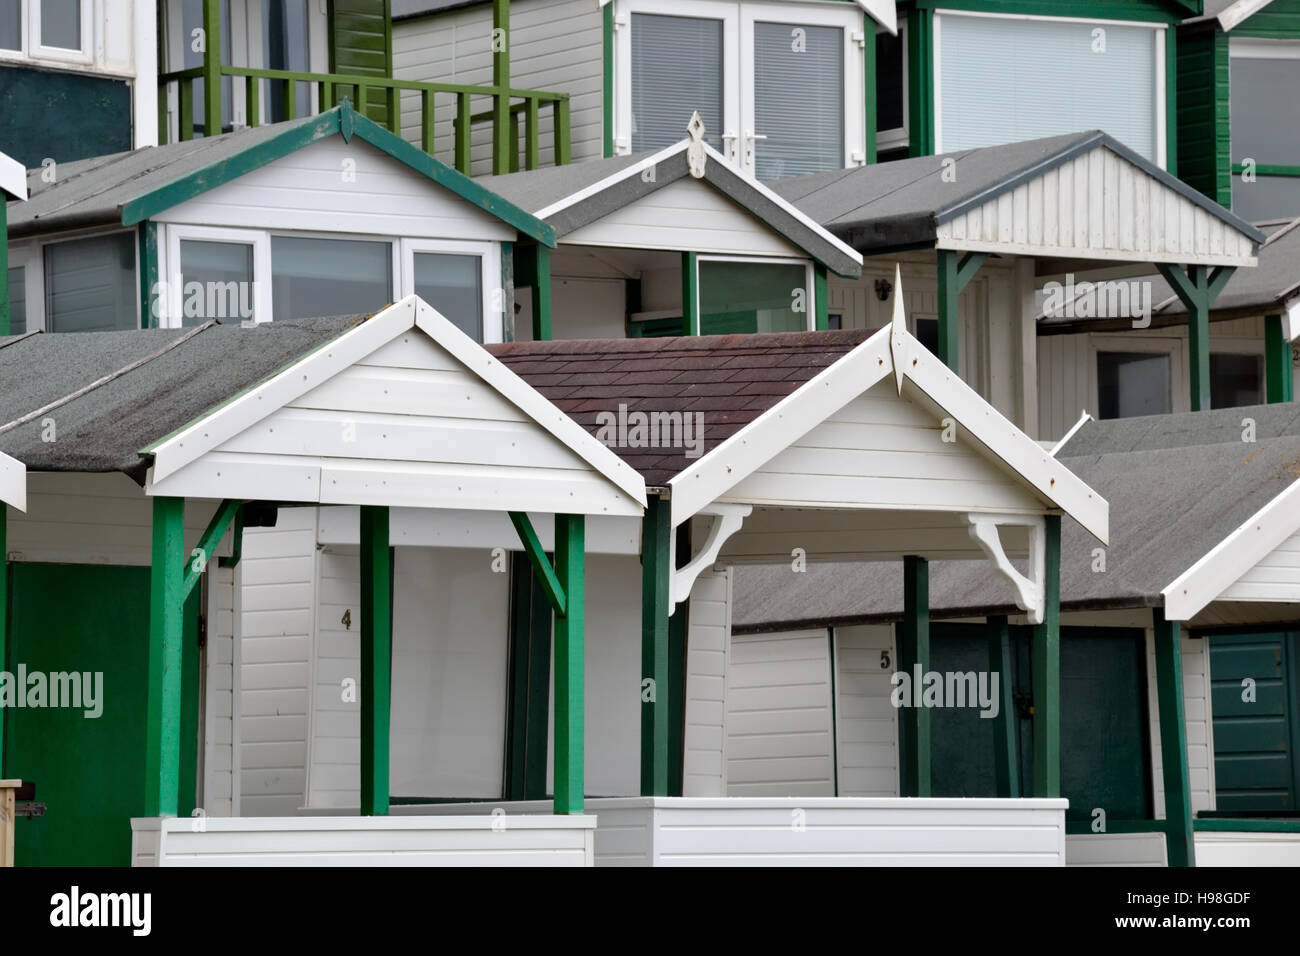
[866, 721]
[1200, 727]
[220, 773]
[707, 650]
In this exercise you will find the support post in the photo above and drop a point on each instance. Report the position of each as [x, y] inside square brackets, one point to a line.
[914, 660]
[1006, 743]
[541, 288]
[570, 651]
[1047, 671]
[1278, 383]
[690, 293]
[1197, 288]
[150, 308]
[166, 632]
[656, 570]
[376, 659]
[954, 275]
[503, 145]
[211, 67]
[1179, 841]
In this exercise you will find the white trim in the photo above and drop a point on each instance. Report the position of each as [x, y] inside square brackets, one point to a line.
[1162, 101]
[13, 484]
[1259, 48]
[1030, 590]
[612, 180]
[144, 91]
[1291, 319]
[169, 266]
[84, 54]
[727, 520]
[1232, 557]
[13, 177]
[900, 136]
[883, 12]
[1084, 418]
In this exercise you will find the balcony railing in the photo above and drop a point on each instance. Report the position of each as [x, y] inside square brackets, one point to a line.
[515, 116]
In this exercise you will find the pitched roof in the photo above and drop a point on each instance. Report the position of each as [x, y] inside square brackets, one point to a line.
[1176, 484]
[902, 203]
[728, 379]
[126, 188]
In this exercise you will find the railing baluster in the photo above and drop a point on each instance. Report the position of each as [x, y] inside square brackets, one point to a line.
[462, 133]
[291, 99]
[327, 92]
[164, 128]
[185, 95]
[427, 100]
[562, 142]
[514, 142]
[394, 96]
[532, 134]
[252, 101]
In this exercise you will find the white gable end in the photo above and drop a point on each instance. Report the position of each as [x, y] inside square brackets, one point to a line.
[1275, 578]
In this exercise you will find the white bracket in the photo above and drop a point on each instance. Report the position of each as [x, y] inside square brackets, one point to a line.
[898, 332]
[727, 520]
[696, 157]
[1030, 593]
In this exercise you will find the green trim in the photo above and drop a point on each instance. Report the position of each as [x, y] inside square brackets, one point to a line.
[212, 67]
[1268, 169]
[1180, 845]
[1198, 287]
[166, 633]
[953, 276]
[1047, 671]
[376, 659]
[869, 118]
[1170, 11]
[913, 652]
[236, 544]
[507, 291]
[820, 298]
[607, 79]
[537, 558]
[1247, 826]
[534, 269]
[656, 572]
[148, 270]
[1171, 100]
[570, 652]
[315, 128]
[690, 293]
[920, 81]
[208, 542]
[1279, 384]
[505, 146]
[1006, 734]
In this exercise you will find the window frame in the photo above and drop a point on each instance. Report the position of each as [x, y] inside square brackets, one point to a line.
[810, 284]
[30, 38]
[1174, 347]
[169, 267]
[489, 254]
[898, 137]
[29, 256]
[1159, 38]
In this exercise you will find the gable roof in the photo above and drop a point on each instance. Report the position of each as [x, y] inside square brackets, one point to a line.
[127, 188]
[907, 203]
[570, 197]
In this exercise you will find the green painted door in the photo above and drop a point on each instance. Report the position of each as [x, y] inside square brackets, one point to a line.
[88, 771]
[1254, 682]
[361, 43]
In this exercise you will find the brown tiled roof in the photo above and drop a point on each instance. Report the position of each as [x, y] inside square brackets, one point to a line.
[729, 379]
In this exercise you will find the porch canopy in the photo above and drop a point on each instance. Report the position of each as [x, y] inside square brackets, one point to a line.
[815, 447]
[400, 408]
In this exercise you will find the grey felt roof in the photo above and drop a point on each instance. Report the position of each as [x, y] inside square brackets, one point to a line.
[899, 204]
[538, 188]
[1177, 485]
[104, 429]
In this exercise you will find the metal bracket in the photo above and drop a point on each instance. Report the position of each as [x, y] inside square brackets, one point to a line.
[1030, 593]
[727, 520]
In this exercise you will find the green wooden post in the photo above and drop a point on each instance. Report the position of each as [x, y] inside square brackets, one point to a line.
[656, 568]
[570, 652]
[501, 121]
[1278, 383]
[690, 293]
[541, 286]
[211, 67]
[376, 659]
[953, 276]
[914, 652]
[1197, 288]
[820, 301]
[462, 142]
[869, 78]
[150, 309]
[562, 132]
[920, 80]
[1179, 842]
[1047, 671]
[166, 632]
[1006, 738]
[677, 647]
[607, 81]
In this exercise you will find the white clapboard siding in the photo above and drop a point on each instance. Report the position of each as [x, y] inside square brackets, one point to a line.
[378, 841]
[779, 740]
[1275, 577]
[1116, 849]
[1224, 848]
[555, 45]
[219, 693]
[278, 575]
[1199, 719]
[1078, 209]
[866, 723]
[686, 214]
[891, 455]
[334, 774]
[705, 761]
[333, 186]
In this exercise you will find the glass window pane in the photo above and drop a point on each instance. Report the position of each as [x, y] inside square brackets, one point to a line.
[1268, 197]
[61, 24]
[752, 297]
[889, 81]
[216, 281]
[1265, 126]
[454, 286]
[798, 99]
[676, 69]
[1132, 383]
[1236, 380]
[311, 277]
[1003, 80]
[11, 24]
[927, 333]
[90, 284]
[17, 301]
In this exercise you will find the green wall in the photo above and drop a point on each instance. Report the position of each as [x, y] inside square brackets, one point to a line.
[96, 114]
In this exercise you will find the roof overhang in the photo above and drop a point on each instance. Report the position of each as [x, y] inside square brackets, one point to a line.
[13, 484]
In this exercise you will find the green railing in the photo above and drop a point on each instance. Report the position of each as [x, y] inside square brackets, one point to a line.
[515, 115]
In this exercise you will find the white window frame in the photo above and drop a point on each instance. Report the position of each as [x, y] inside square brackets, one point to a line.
[30, 257]
[1174, 347]
[1159, 38]
[489, 254]
[899, 137]
[169, 267]
[34, 50]
[809, 279]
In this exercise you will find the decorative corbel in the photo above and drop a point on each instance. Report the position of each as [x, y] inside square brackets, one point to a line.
[696, 156]
[727, 520]
[1030, 593]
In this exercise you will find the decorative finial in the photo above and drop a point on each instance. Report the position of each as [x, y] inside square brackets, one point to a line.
[898, 331]
[695, 155]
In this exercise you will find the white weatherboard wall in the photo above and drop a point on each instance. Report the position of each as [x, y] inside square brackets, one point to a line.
[1116, 849]
[1222, 848]
[220, 776]
[707, 646]
[334, 770]
[866, 722]
[1200, 729]
[555, 45]
[1275, 577]
[779, 737]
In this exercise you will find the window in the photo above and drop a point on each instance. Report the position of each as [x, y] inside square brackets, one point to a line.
[286, 46]
[454, 286]
[780, 88]
[1132, 383]
[216, 281]
[46, 29]
[747, 296]
[1265, 129]
[1236, 380]
[1001, 79]
[313, 277]
[90, 284]
[17, 301]
[927, 333]
[61, 24]
[11, 25]
[891, 89]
